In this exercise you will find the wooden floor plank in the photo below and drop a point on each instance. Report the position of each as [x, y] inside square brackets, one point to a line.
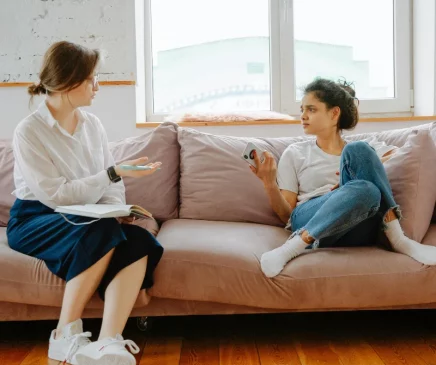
[277, 351]
[355, 352]
[424, 349]
[238, 351]
[394, 352]
[422, 340]
[132, 333]
[38, 356]
[14, 353]
[315, 351]
[346, 338]
[200, 351]
[162, 351]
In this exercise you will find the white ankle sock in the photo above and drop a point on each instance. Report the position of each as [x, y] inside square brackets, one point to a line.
[273, 262]
[402, 244]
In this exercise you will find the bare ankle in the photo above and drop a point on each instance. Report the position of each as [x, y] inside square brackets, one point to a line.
[58, 333]
[306, 237]
[390, 216]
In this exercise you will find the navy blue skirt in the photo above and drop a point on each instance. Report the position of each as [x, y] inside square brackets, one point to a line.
[36, 230]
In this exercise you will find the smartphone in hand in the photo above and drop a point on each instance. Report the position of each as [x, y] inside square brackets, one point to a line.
[248, 155]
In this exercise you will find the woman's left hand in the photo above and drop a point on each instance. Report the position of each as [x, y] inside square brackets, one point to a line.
[337, 185]
[126, 220]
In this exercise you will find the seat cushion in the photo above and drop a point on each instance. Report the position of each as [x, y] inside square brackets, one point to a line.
[25, 279]
[219, 262]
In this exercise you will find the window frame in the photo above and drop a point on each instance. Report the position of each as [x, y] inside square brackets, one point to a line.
[282, 65]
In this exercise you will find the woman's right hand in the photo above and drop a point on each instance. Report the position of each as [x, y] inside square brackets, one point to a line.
[265, 170]
[137, 173]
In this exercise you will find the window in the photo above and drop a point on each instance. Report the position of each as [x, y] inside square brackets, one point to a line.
[245, 55]
[255, 68]
[200, 52]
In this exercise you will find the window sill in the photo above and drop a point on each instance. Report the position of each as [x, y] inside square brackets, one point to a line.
[285, 122]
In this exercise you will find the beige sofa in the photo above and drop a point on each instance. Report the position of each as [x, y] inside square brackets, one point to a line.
[215, 222]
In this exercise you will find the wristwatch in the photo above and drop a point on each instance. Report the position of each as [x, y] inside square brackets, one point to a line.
[113, 177]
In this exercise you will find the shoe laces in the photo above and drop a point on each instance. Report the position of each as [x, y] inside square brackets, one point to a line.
[77, 341]
[133, 347]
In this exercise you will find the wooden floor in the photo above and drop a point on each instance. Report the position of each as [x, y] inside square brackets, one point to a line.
[343, 338]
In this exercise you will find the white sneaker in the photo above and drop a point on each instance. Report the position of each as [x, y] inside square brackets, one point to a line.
[109, 351]
[65, 347]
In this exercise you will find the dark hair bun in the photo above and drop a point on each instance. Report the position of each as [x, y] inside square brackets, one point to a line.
[36, 89]
[337, 94]
[347, 86]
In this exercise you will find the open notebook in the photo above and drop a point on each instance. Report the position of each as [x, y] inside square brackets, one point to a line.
[104, 210]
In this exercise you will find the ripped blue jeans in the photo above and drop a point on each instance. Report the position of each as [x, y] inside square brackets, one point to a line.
[352, 214]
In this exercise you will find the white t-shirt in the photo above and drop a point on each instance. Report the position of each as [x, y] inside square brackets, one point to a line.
[307, 170]
[58, 168]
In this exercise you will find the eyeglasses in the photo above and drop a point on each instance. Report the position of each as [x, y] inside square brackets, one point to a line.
[94, 81]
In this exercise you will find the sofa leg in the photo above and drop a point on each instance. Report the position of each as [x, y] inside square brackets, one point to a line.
[143, 323]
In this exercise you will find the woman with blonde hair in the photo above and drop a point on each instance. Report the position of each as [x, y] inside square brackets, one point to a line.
[62, 158]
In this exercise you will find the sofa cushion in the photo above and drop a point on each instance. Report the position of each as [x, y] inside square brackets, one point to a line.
[25, 279]
[6, 180]
[412, 177]
[412, 181]
[433, 136]
[219, 262]
[430, 236]
[237, 195]
[396, 137]
[217, 184]
[159, 144]
[158, 193]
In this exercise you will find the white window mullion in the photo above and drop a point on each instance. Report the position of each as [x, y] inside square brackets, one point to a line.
[275, 54]
[149, 112]
[287, 86]
[402, 60]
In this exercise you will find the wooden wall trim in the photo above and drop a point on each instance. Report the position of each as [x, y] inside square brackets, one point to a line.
[101, 83]
[217, 124]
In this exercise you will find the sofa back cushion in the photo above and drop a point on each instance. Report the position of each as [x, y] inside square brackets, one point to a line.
[216, 184]
[158, 193]
[6, 180]
[413, 182]
[433, 136]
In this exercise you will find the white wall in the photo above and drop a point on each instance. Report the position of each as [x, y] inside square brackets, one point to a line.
[28, 27]
[114, 105]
